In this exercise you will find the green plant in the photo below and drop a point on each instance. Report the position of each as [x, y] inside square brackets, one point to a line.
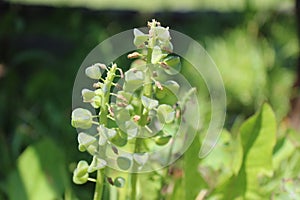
[140, 115]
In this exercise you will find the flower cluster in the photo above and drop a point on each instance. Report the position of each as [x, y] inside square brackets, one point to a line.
[135, 115]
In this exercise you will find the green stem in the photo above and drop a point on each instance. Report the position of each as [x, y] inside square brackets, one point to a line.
[99, 185]
[147, 91]
[103, 120]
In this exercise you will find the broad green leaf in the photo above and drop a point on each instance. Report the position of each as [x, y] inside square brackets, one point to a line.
[193, 181]
[40, 173]
[258, 137]
[225, 159]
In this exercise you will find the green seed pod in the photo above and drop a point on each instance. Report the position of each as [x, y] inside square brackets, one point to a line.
[162, 140]
[82, 118]
[120, 139]
[81, 168]
[124, 163]
[119, 182]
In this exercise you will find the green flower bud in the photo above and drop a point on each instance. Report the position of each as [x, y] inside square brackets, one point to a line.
[119, 182]
[165, 113]
[93, 72]
[80, 174]
[80, 180]
[82, 118]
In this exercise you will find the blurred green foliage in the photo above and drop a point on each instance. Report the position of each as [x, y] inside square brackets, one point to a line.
[254, 45]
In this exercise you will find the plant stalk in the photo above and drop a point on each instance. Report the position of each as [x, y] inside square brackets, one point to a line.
[147, 91]
[100, 181]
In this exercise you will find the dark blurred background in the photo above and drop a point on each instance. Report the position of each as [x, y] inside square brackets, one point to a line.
[42, 45]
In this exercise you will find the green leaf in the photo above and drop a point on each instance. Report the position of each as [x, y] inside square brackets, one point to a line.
[40, 173]
[193, 181]
[258, 138]
[225, 159]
